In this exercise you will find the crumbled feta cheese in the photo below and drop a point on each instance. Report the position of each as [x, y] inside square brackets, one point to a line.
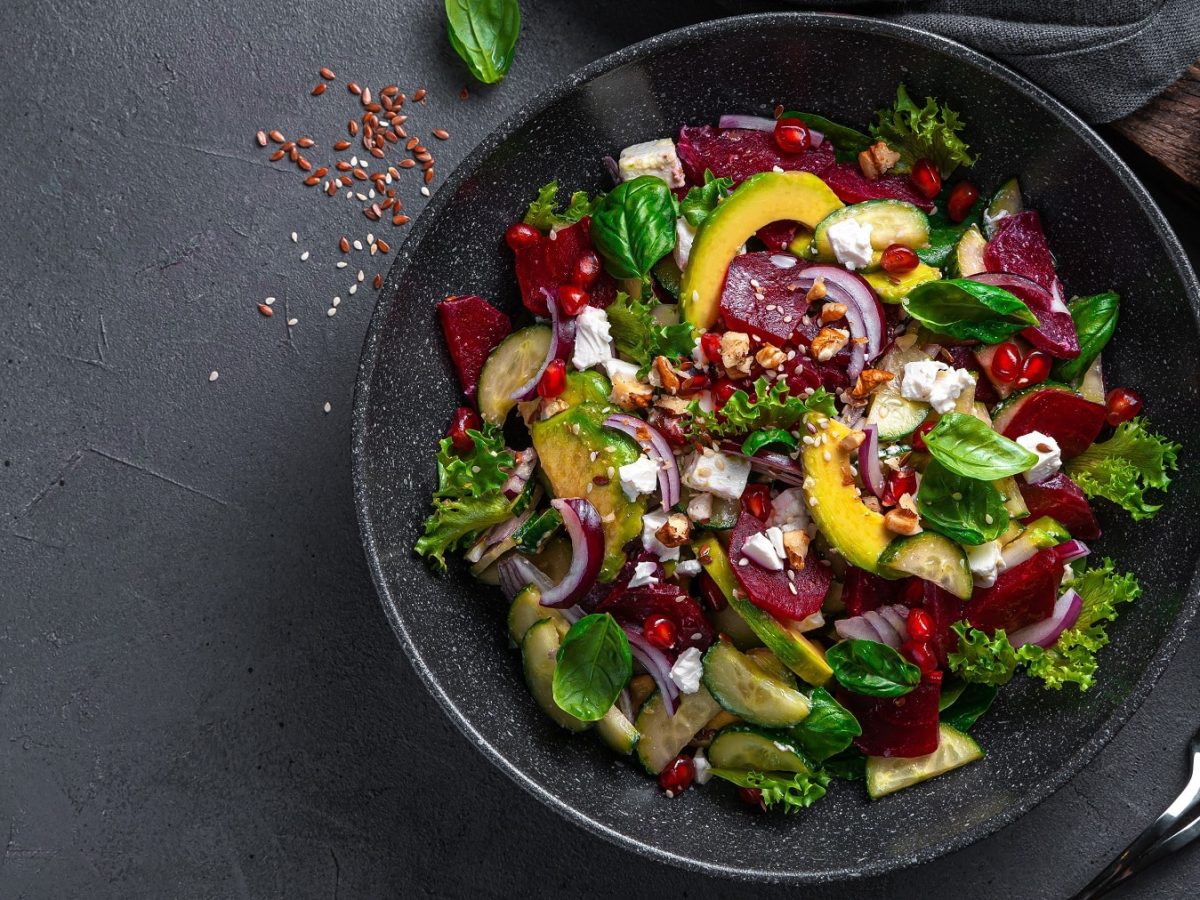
[593, 343]
[617, 368]
[851, 243]
[984, 561]
[685, 234]
[698, 355]
[789, 511]
[643, 573]
[686, 671]
[688, 567]
[651, 522]
[657, 158]
[775, 536]
[713, 471]
[699, 508]
[703, 767]
[811, 623]
[935, 383]
[638, 477]
[761, 549]
[1049, 455]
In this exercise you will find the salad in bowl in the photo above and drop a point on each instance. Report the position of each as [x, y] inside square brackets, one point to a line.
[789, 465]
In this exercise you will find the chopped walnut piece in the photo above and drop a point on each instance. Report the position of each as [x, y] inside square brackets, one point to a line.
[828, 343]
[735, 353]
[831, 312]
[795, 545]
[675, 531]
[870, 381]
[817, 291]
[878, 159]
[667, 376]
[676, 406]
[902, 521]
[770, 357]
[629, 393]
[852, 441]
[907, 502]
[553, 407]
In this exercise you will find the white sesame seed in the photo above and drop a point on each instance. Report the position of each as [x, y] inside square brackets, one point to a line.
[293, 321]
[370, 238]
[213, 375]
[349, 195]
[331, 312]
[361, 276]
[425, 193]
[371, 194]
[387, 179]
[358, 245]
[354, 160]
[294, 237]
[353, 288]
[270, 301]
[342, 264]
[374, 249]
[743, 561]
[337, 300]
[362, 199]
[328, 407]
[304, 256]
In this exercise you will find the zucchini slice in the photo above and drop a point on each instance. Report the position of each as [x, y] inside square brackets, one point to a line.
[663, 735]
[888, 774]
[539, 653]
[517, 359]
[750, 747]
[1038, 535]
[891, 221]
[933, 557]
[527, 610]
[617, 731]
[892, 415]
[968, 253]
[744, 688]
[1005, 202]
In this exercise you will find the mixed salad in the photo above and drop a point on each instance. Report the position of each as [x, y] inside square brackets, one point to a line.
[790, 465]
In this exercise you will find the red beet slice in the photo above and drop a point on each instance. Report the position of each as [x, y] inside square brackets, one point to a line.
[550, 262]
[633, 606]
[897, 726]
[1019, 248]
[472, 328]
[1055, 333]
[772, 591]
[1023, 595]
[945, 609]
[1061, 499]
[777, 235]
[1062, 414]
[739, 153]
[852, 186]
[863, 591]
[761, 296]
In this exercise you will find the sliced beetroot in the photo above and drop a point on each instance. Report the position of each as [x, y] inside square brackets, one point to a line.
[777, 235]
[1019, 247]
[633, 606]
[1055, 332]
[852, 186]
[1022, 595]
[738, 153]
[550, 262]
[472, 328]
[761, 296]
[831, 374]
[1059, 413]
[944, 609]
[863, 591]
[897, 726]
[1061, 499]
[787, 598]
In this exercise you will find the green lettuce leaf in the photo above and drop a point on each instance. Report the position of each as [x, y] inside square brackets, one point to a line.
[700, 201]
[981, 659]
[791, 792]
[1127, 465]
[544, 215]
[455, 522]
[773, 407]
[931, 130]
[639, 336]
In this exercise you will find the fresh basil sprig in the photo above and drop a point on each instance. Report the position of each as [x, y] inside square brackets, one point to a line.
[634, 226]
[594, 665]
[484, 34]
[963, 509]
[765, 437]
[972, 703]
[700, 201]
[966, 445]
[828, 729]
[871, 668]
[1095, 321]
[968, 310]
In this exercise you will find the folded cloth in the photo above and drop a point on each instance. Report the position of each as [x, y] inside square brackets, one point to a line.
[1103, 58]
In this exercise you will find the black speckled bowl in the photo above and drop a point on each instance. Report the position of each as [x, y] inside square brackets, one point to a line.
[1106, 232]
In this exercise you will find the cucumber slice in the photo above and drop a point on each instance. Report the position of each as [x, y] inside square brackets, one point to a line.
[663, 735]
[769, 663]
[893, 416]
[968, 253]
[539, 653]
[891, 221]
[618, 732]
[750, 747]
[532, 536]
[886, 775]
[510, 365]
[724, 515]
[932, 557]
[1006, 202]
[744, 689]
[1039, 534]
[527, 610]
[1010, 493]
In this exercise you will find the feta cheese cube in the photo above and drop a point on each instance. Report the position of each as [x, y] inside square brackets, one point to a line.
[984, 561]
[789, 511]
[643, 573]
[935, 383]
[712, 471]
[1049, 455]
[638, 477]
[688, 567]
[687, 670]
[685, 234]
[703, 767]
[851, 243]
[699, 508]
[761, 550]
[593, 342]
[651, 522]
[657, 158]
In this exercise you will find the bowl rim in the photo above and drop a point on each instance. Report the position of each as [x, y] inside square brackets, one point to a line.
[362, 401]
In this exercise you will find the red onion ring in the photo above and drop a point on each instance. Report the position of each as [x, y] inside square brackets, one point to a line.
[1046, 632]
[869, 468]
[657, 448]
[562, 347]
[886, 625]
[856, 628]
[656, 664]
[582, 522]
[863, 312]
[517, 572]
[526, 462]
[762, 123]
[497, 533]
[1071, 550]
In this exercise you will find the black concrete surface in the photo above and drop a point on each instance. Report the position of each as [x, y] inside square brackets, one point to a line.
[199, 696]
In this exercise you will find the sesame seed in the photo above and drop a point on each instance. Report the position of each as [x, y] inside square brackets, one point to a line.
[361, 276]
[294, 237]
[270, 301]
[293, 322]
[304, 256]
[331, 312]
[743, 561]
[328, 406]
[370, 238]
[337, 300]
[425, 193]
[358, 245]
[213, 375]
[342, 264]
[353, 288]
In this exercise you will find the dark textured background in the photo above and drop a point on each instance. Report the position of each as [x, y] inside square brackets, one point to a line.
[199, 696]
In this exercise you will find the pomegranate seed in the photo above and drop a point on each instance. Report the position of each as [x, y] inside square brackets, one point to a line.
[962, 197]
[922, 656]
[897, 483]
[464, 418]
[710, 343]
[918, 436]
[587, 269]
[757, 498]
[572, 299]
[659, 631]
[750, 796]
[520, 236]
[898, 259]
[926, 178]
[1035, 369]
[1006, 363]
[711, 594]
[1122, 405]
[554, 380]
[791, 135]
[676, 777]
[722, 391]
[920, 625]
[914, 591]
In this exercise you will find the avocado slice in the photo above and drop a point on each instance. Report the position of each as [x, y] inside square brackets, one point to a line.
[565, 444]
[587, 387]
[760, 200]
[850, 525]
[894, 288]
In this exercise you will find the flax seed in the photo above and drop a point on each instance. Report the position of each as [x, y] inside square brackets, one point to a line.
[261, 137]
[419, 95]
[342, 166]
[428, 175]
[384, 247]
[390, 137]
[293, 154]
[344, 181]
[277, 155]
[266, 310]
[288, 147]
[407, 163]
[327, 73]
[399, 120]
[318, 89]
[359, 174]
[353, 87]
[378, 282]
[304, 164]
[441, 134]
[341, 145]
[390, 91]
[412, 143]
[352, 127]
[344, 245]
[306, 142]
[464, 94]
[322, 172]
[399, 220]
[277, 136]
[312, 180]
[374, 108]
[420, 148]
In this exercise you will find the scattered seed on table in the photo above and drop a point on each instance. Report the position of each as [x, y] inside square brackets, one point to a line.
[358, 245]
[407, 163]
[352, 127]
[353, 87]
[266, 310]
[378, 282]
[441, 134]
[361, 276]
[341, 145]
[293, 321]
[344, 245]
[293, 154]
[353, 288]
[428, 177]
[306, 142]
[289, 146]
[277, 136]
[419, 95]
[362, 198]
[390, 91]
[261, 137]
[365, 96]
[304, 164]
[213, 375]
[374, 247]
[327, 406]
[399, 220]
[337, 301]
[295, 237]
[312, 180]
[425, 190]
[270, 301]
[304, 256]
[318, 89]
[464, 94]
[342, 264]
[370, 238]
[322, 172]
[277, 155]
[384, 247]
[331, 312]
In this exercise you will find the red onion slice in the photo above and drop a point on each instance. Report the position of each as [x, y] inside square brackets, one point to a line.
[562, 347]
[897, 617]
[497, 533]
[886, 625]
[856, 628]
[657, 448]
[526, 462]
[863, 312]
[582, 522]
[887, 633]
[1046, 632]
[1071, 550]
[516, 573]
[869, 468]
[657, 666]
[762, 123]
[779, 466]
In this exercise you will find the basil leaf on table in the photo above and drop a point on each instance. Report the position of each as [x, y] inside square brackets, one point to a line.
[484, 34]
[1095, 321]
[968, 446]
[765, 437]
[972, 703]
[594, 665]
[828, 729]
[847, 142]
[634, 226]
[700, 201]
[968, 310]
[963, 509]
[871, 668]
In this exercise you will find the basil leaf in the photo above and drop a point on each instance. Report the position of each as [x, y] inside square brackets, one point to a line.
[594, 665]
[847, 142]
[848, 766]
[942, 241]
[828, 729]
[484, 34]
[871, 668]
[963, 509]
[700, 201]
[1095, 321]
[634, 226]
[968, 310]
[972, 703]
[965, 445]
[765, 437]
